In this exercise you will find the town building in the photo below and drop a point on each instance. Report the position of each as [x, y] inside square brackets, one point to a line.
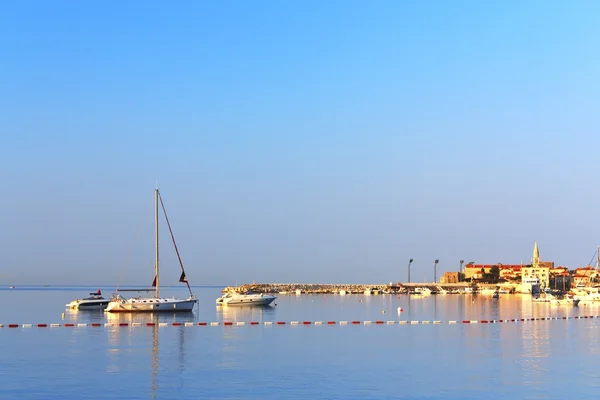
[536, 276]
[507, 271]
[450, 277]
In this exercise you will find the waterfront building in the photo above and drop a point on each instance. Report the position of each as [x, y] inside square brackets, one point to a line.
[536, 274]
[558, 271]
[507, 271]
[585, 276]
[450, 277]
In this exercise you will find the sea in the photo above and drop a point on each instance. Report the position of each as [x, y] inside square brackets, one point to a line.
[301, 347]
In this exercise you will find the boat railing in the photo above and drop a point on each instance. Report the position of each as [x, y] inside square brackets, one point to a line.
[117, 297]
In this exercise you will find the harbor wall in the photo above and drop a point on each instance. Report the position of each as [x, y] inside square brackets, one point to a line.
[393, 288]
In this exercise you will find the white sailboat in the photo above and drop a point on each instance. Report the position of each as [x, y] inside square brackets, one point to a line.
[155, 304]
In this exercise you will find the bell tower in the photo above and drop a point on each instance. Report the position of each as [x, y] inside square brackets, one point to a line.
[535, 261]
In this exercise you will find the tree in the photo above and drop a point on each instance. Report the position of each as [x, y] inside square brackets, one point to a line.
[495, 273]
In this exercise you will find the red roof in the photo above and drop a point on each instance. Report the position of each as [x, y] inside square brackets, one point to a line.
[501, 266]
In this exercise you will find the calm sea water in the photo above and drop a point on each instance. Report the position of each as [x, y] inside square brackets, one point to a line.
[526, 360]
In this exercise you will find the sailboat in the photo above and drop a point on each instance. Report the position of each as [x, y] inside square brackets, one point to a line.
[155, 304]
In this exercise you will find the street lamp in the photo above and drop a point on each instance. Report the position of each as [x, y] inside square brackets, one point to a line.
[460, 278]
[435, 270]
[409, 262]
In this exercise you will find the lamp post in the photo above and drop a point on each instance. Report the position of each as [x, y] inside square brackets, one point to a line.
[409, 262]
[460, 278]
[435, 270]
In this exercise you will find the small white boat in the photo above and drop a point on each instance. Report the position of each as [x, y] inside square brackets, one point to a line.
[94, 302]
[422, 291]
[586, 296]
[565, 301]
[541, 300]
[549, 298]
[247, 298]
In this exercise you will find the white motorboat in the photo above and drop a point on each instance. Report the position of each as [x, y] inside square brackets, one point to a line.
[232, 298]
[549, 298]
[567, 300]
[155, 304]
[422, 291]
[94, 302]
[544, 299]
[586, 296]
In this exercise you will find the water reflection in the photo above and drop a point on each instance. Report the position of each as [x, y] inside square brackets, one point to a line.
[155, 365]
[143, 318]
[83, 317]
[247, 314]
[126, 342]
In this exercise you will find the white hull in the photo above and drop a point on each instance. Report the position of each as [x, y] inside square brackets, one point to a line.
[151, 304]
[421, 292]
[564, 302]
[246, 300]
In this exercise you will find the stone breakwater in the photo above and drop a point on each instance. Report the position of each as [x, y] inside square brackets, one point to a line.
[310, 288]
[391, 288]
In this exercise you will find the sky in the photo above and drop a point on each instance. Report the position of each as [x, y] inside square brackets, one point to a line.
[295, 141]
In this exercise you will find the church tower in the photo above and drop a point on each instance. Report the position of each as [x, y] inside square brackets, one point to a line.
[535, 261]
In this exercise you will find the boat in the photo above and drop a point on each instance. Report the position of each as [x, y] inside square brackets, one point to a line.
[541, 299]
[586, 296]
[549, 298]
[11, 287]
[421, 291]
[155, 303]
[94, 302]
[247, 298]
[565, 301]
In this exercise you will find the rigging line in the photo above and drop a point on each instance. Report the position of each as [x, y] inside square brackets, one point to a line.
[174, 244]
[593, 257]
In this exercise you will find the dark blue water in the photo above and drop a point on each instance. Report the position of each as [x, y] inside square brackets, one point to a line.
[525, 360]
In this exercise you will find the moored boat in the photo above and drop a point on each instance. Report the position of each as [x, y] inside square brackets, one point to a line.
[232, 298]
[156, 303]
[94, 302]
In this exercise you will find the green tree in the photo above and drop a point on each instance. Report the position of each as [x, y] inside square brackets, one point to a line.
[495, 273]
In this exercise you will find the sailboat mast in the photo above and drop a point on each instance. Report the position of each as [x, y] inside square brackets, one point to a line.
[156, 239]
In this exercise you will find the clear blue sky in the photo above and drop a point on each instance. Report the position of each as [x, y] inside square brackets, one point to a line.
[296, 141]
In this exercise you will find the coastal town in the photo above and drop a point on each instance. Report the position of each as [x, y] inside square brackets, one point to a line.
[538, 276]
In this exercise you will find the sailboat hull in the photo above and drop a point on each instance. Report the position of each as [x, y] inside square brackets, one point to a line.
[151, 305]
